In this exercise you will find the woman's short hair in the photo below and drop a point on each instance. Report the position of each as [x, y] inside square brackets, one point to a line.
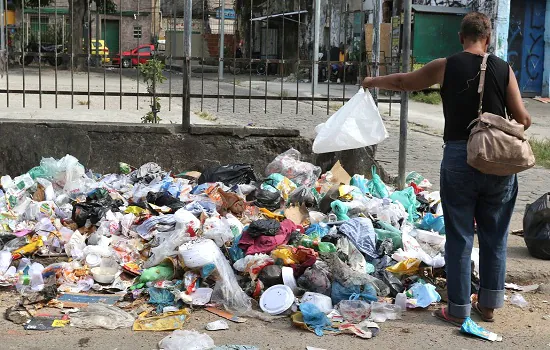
[475, 26]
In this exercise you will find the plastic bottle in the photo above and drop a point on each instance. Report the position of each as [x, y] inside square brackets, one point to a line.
[401, 301]
[323, 247]
[35, 274]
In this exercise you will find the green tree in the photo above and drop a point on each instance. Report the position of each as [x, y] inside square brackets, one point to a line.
[78, 15]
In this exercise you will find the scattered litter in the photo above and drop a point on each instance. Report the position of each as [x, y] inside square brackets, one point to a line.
[226, 315]
[519, 301]
[542, 99]
[188, 340]
[471, 328]
[217, 325]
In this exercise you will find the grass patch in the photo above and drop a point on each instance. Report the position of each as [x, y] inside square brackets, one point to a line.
[334, 106]
[432, 98]
[283, 93]
[206, 116]
[83, 103]
[541, 149]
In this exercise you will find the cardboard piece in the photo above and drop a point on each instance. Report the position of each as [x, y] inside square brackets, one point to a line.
[297, 215]
[83, 300]
[339, 174]
[226, 315]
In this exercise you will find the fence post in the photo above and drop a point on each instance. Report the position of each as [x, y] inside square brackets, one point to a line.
[3, 54]
[317, 24]
[376, 44]
[186, 70]
[403, 122]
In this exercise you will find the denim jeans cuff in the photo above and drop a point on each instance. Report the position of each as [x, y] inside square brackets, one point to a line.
[459, 311]
[492, 299]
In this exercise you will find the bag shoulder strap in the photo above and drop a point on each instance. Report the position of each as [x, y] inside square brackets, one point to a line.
[481, 86]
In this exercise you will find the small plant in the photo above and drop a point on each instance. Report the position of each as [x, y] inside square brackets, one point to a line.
[541, 149]
[83, 103]
[206, 116]
[432, 98]
[284, 93]
[152, 75]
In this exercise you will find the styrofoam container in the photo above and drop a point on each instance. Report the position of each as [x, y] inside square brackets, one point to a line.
[288, 278]
[104, 275]
[323, 302]
[93, 260]
[198, 253]
[277, 299]
[201, 296]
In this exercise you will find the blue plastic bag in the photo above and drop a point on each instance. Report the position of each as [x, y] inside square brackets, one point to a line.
[160, 297]
[408, 199]
[340, 292]
[376, 186]
[235, 252]
[314, 318]
[360, 182]
[317, 230]
[424, 294]
[431, 222]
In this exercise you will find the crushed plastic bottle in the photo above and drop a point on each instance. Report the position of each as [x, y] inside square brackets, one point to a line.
[323, 247]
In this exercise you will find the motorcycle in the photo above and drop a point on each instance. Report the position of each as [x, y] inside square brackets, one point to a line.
[47, 52]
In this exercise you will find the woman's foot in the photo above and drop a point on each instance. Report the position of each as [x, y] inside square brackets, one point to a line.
[443, 315]
[485, 313]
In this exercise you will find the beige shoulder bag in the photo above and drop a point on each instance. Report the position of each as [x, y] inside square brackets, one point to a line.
[497, 146]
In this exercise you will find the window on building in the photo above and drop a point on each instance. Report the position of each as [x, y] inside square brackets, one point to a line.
[137, 32]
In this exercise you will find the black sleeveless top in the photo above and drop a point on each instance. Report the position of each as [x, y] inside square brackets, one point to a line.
[459, 92]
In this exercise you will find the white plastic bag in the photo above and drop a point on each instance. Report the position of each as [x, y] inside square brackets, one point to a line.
[189, 340]
[357, 124]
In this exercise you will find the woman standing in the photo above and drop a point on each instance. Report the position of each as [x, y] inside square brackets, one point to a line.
[466, 193]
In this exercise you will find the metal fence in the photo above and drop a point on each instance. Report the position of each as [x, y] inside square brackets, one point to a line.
[261, 45]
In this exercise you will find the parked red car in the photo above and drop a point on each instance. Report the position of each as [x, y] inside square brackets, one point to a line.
[140, 54]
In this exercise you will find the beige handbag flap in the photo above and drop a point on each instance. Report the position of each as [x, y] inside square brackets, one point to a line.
[510, 127]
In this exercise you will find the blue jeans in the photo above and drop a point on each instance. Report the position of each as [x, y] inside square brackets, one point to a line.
[467, 194]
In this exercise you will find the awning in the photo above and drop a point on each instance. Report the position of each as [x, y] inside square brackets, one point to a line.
[279, 15]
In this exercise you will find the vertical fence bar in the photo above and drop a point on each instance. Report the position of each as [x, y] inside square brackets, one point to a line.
[104, 59]
[186, 106]
[376, 45]
[138, 61]
[346, 48]
[234, 64]
[315, 56]
[249, 66]
[23, 50]
[120, 60]
[88, 48]
[298, 54]
[221, 31]
[220, 61]
[172, 48]
[202, 59]
[282, 62]
[266, 55]
[403, 121]
[329, 63]
[39, 56]
[72, 56]
[55, 9]
[6, 47]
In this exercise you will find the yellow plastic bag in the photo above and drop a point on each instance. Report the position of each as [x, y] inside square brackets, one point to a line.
[168, 321]
[409, 267]
[286, 187]
[285, 254]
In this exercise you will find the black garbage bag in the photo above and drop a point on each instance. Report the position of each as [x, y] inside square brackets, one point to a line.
[271, 275]
[536, 228]
[229, 175]
[393, 282]
[316, 279]
[384, 247]
[94, 210]
[267, 199]
[302, 195]
[264, 227]
[164, 199]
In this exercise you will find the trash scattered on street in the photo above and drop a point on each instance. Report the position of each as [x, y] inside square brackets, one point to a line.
[471, 328]
[217, 325]
[519, 301]
[144, 248]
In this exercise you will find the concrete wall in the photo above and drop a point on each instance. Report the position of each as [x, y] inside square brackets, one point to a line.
[101, 146]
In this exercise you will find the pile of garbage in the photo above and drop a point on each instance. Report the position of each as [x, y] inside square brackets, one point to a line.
[145, 247]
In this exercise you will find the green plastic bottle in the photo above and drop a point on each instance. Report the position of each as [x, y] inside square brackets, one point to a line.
[323, 247]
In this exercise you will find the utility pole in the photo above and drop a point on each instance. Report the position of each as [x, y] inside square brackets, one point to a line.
[186, 69]
[317, 24]
[377, 18]
[222, 39]
[403, 122]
